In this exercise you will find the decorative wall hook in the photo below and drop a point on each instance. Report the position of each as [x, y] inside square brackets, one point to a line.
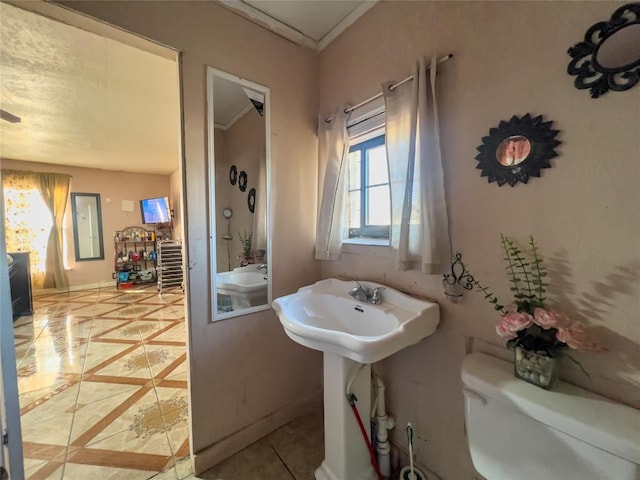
[457, 280]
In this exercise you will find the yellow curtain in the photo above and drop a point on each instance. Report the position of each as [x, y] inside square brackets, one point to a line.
[34, 209]
[54, 188]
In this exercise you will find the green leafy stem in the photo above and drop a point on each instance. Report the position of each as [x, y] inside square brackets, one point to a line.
[526, 277]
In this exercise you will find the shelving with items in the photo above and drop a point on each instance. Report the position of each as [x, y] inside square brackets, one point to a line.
[135, 257]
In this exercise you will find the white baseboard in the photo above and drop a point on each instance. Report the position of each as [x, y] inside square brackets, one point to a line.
[75, 288]
[216, 453]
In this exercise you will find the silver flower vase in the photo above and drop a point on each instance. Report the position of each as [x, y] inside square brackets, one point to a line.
[535, 368]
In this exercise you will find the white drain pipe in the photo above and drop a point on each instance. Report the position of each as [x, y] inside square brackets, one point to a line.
[384, 423]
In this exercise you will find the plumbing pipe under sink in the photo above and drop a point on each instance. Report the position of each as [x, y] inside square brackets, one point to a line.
[384, 423]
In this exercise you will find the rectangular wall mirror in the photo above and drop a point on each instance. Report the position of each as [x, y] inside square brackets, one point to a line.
[87, 226]
[239, 149]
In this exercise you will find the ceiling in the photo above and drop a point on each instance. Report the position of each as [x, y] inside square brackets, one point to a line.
[85, 100]
[310, 23]
[88, 101]
[230, 102]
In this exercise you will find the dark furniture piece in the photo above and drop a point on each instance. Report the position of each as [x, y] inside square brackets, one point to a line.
[20, 284]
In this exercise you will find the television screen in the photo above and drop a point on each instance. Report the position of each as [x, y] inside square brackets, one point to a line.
[155, 210]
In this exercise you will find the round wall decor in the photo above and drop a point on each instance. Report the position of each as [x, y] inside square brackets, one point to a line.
[517, 150]
[233, 175]
[242, 181]
[609, 56]
[251, 200]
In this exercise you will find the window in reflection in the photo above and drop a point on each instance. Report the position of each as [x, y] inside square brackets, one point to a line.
[513, 150]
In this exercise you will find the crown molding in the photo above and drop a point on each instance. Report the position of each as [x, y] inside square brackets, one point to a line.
[292, 34]
[270, 23]
[238, 116]
[345, 23]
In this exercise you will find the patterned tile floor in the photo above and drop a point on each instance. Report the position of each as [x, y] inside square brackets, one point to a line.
[102, 376]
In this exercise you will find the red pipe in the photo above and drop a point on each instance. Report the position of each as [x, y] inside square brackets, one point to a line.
[352, 401]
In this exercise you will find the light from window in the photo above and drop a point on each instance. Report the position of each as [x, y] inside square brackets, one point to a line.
[368, 202]
[27, 227]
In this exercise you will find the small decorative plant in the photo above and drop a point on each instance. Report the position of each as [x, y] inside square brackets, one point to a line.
[246, 240]
[528, 323]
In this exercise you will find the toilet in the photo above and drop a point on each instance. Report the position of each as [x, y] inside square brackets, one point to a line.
[518, 431]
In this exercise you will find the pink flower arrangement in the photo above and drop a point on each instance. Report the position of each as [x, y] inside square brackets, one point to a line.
[558, 331]
[575, 337]
[512, 323]
[528, 323]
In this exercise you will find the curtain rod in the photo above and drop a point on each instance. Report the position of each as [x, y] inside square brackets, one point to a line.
[392, 87]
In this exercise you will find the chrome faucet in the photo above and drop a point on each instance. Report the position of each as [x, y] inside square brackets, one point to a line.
[365, 294]
[262, 266]
[376, 296]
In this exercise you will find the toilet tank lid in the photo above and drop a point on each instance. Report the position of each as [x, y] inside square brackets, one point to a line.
[591, 418]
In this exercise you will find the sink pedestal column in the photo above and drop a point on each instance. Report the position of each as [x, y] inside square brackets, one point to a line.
[345, 454]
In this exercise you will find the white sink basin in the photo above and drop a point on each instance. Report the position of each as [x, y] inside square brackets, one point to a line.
[324, 317]
[241, 282]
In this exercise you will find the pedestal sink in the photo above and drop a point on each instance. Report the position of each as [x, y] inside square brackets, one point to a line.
[246, 286]
[324, 317]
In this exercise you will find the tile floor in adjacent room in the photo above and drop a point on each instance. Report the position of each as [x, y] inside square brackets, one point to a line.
[102, 377]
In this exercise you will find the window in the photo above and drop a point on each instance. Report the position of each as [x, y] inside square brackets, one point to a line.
[368, 197]
[27, 225]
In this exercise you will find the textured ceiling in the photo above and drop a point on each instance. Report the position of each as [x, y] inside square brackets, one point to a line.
[85, 100]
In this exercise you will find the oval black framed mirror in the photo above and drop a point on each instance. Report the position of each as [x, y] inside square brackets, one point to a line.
[517, 150]
[233, 175]
[242, 181]
[609, 56]
[251, 200]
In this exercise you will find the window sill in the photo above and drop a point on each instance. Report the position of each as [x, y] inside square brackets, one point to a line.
[371, 247]
[381, 242]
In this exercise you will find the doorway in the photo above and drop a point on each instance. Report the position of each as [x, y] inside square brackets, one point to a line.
[101, 368]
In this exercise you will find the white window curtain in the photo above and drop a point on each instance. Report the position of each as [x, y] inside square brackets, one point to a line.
[332, 152]
[419, 223]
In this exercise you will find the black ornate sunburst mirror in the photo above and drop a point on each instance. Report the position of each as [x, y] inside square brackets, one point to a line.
[516, 150]
[609, 56]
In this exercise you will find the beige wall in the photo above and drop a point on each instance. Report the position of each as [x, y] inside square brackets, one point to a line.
[247, 377]
[243, 145]
[116, 186]
[510, 58]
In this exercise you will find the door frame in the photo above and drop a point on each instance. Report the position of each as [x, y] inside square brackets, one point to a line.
[10, 432]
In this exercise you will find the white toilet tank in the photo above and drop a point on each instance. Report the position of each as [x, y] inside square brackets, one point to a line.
[518, 431]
